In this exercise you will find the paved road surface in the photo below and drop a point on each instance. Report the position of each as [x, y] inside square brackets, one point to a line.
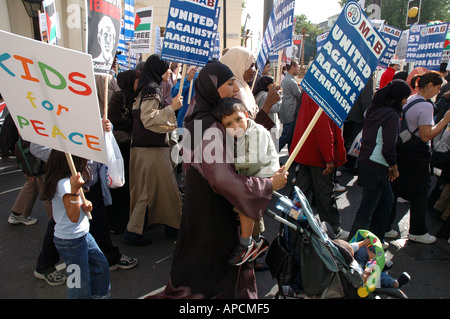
[428, 265]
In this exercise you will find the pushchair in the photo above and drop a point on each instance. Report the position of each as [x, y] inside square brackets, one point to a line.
[307, 263]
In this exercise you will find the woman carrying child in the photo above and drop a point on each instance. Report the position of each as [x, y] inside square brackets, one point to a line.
[209, 229]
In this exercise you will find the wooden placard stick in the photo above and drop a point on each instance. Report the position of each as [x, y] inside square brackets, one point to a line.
[191, 85]
[279, 68]
[183, 74]
[303, 138]
[105, 98]
[254, 80]
[74, 173]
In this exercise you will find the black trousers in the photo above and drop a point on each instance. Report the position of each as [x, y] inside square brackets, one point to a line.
[99, 226]
[311, 179]
[413, 185]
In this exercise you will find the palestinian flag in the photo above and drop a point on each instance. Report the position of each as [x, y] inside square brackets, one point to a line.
[2, 107]
[50, 15]
[142, 20]
[447, 41]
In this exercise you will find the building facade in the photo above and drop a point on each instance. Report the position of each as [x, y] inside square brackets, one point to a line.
[14, 18]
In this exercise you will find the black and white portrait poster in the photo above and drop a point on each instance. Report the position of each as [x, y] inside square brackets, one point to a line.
[103, 30]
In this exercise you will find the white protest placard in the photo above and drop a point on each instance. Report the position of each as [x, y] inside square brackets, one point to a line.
[143, 25]
[51, 95]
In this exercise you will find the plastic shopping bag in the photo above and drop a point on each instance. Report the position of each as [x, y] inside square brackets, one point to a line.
[115, 172]
[356, 146]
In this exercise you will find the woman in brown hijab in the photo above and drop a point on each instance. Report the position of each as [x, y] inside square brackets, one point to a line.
[209, 226]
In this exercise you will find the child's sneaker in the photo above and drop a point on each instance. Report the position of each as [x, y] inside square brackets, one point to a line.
[242, 253]
[403, 279]
[261, 246]
[125, 262]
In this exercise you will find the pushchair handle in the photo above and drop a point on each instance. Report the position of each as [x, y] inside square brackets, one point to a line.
[273, 215]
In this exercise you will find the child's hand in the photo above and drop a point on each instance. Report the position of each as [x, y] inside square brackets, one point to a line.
[87, 206]
[106, 125]
[76, 182]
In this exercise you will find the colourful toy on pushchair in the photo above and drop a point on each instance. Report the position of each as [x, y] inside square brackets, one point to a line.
[377, 264]
[305, 260]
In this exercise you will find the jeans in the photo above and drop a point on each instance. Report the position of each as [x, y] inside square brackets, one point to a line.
[99, 227]
[286, 135]
[386, 281]
[87, 267]
[376, 202]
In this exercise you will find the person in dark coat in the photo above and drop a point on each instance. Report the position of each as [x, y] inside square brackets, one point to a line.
[119, 113]
[209, 226]
[377, 160]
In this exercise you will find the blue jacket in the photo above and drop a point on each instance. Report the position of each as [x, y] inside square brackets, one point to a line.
[185, 93]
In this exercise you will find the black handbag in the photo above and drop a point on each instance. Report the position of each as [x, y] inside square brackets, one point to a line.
[281, 262]
[123, 137]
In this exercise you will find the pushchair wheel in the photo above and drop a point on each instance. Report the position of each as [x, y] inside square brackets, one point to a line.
[390, 293]
[280, 295]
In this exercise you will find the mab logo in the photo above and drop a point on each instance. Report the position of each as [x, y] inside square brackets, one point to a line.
[210, 4]
[353, 13]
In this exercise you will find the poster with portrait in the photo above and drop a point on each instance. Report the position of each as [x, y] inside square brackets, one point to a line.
[103, 29]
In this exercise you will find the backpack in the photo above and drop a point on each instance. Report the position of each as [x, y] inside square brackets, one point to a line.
[8, 136]
[30, 165]
[404, 134]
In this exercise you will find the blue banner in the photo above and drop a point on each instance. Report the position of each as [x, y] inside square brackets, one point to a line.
[215, 39]
[431, 45]
[189, 29]
[391, 36]
[266, 44]
[320, 39]
[345, 63]
[413, 42]
[284, 17]
[128, 20]
[126, 60]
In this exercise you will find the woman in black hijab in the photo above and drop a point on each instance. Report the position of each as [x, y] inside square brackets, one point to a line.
[153, 187]
[119, 113]
[120, 105]
[377, 160]
[209, 227]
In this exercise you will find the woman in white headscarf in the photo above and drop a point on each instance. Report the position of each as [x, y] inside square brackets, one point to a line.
[242, 63]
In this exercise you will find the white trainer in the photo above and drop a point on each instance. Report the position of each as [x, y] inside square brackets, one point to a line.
[424, 239]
